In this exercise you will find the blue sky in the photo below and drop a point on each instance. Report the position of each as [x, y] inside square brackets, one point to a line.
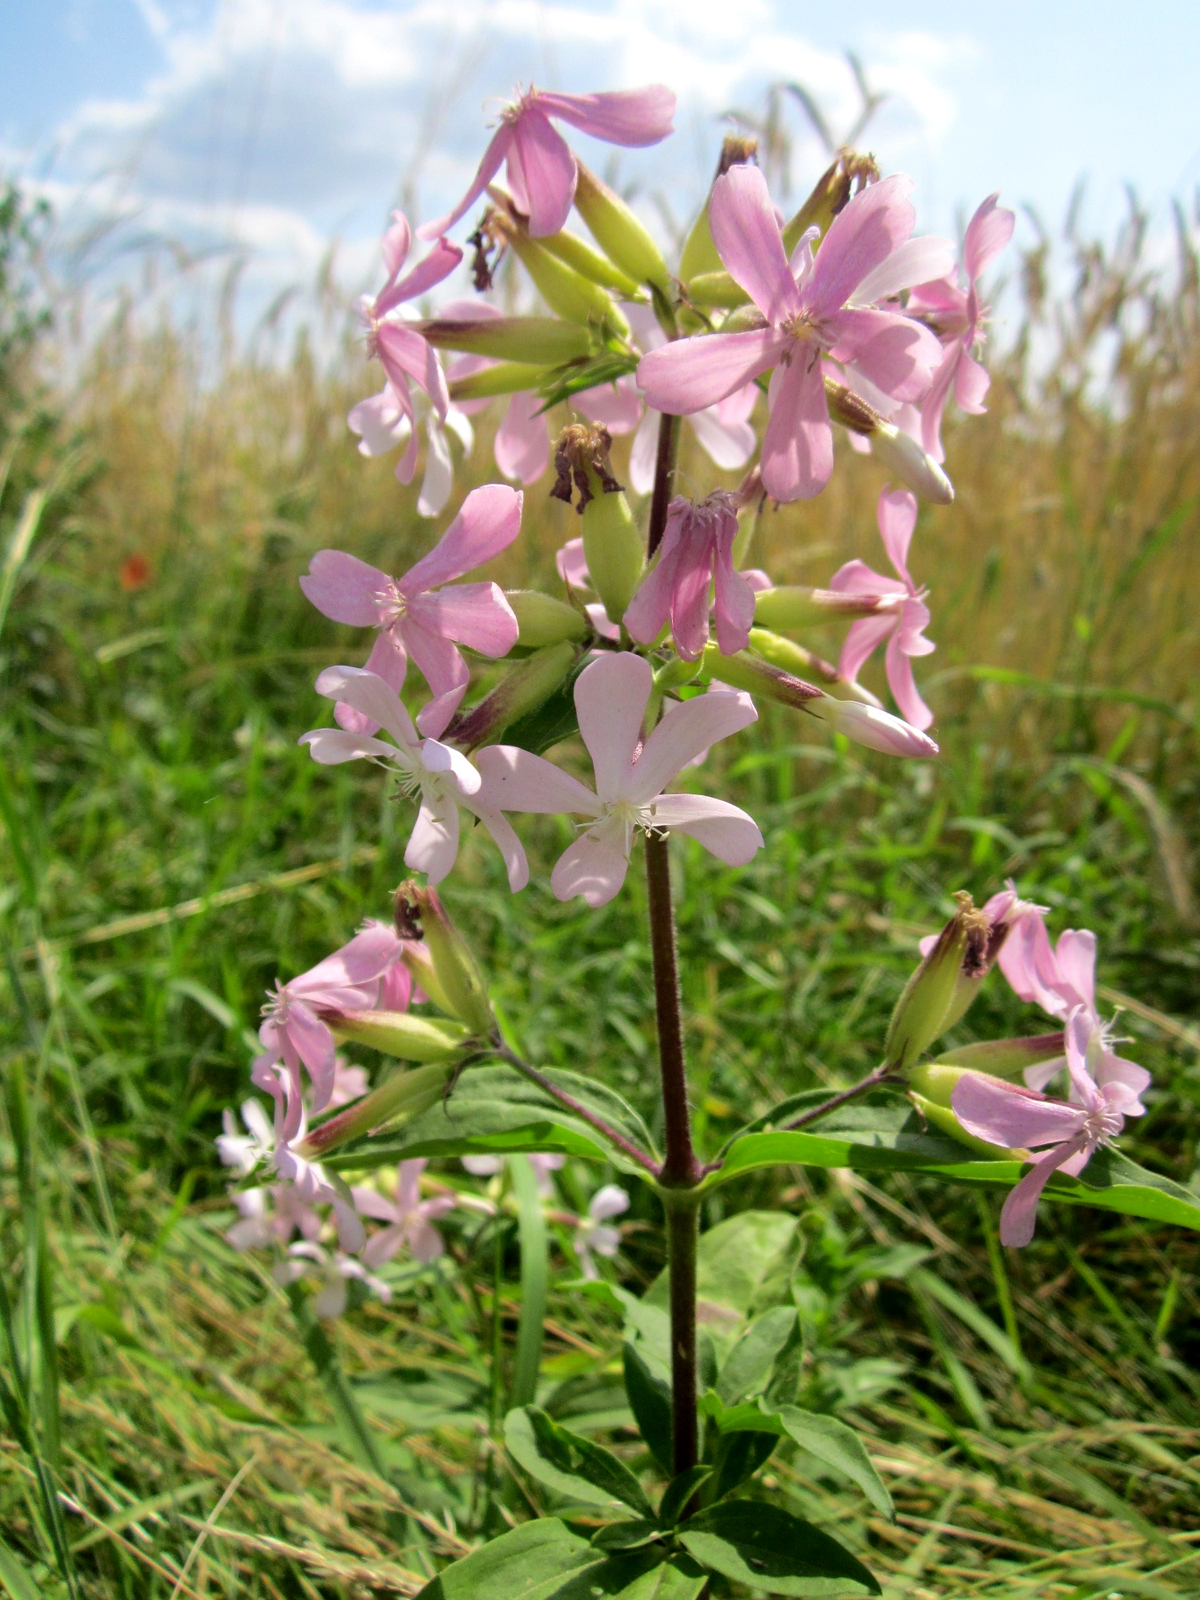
[266, 127]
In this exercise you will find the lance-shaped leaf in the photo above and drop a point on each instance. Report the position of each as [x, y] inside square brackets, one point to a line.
[649, 1393]
[574, 1467]
[834, 1445]
[892, 1138]
[544, 1560]
[743, 1265]
[768, 1548]
[494, 1110]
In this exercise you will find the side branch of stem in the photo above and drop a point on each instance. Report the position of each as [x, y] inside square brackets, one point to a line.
[882, 1074]
[578, 1109]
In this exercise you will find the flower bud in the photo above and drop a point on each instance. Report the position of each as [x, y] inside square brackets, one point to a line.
[398, 1033]
[930, 1090]
[503, 377]
[562, 288]
[868, 725]
[419, 962]
[717, 290]
[921, 1012]
[525, 687]
[589, 263]
[543, 619]
[542, 341]
[796, 659]
[616, 229]
[744, 671]
[795, 606]
[894, 448]
[403, 1095]
[612, 545]
[834, 190]
[1004, 1058]
[457, 972]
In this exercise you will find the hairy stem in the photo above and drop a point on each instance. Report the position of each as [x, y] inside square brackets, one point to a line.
[664, 471]
[682, 1239]
[578, 1109]
[872, 1080]
[680, 1169]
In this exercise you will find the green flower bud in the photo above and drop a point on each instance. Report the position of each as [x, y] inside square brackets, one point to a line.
[699, 251]
[612, 544]
[543, 619]
[744, 671]
[717, 290]
[795, 606]
[930, 994]
[398, 1033]
[542, 341]
[795, 659]
[895, 449]
[1004, 1058]
[562, 288]
[524, 687]
[834, 190]
[616, 229]
[457, 971]
[403, 1095]
[419, 962]
[505, 377]
[589, 263]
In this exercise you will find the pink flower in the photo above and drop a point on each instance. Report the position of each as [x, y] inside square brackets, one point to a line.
[541, 169]
[813, 307]
[440, 774]
[903, 629]
[1062, 981]
[958, 318]
[335, 1270]
[611, 696]
[594, 1233]
[292, 1031]
[410, 1219]
[696, 554]
[402, 352]
[384, 422]
[1069, 1131]
[416, 617]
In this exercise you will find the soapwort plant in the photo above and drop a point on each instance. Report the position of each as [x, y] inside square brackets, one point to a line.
[841, 324]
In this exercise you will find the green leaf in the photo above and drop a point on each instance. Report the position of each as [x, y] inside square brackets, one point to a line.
[635, 1534]
[679, 1491]
[748, 1366]
[891, 1138]
[535, 1279]
[534, 1562]
[835, 1445]
[767, 1548]
[553, 721]
[574, 1467]
[741, 1265]
[677, 1578]
[494, 1109]
[650, 1401]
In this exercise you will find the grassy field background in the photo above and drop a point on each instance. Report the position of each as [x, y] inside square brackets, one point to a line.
[168, 850]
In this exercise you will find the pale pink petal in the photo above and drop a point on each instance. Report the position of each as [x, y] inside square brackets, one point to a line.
[618, 406]
[541, 172]
[397, 242]
[364, 958]
[1007, 1114]
[476, 615]
[345, 588]
[489, 521]
[692, 374]
[438, 757]
[690, 588]
[650, 609]
[728, 445]
[433, 847]
[860, 238]
[903, 685]
[634, 117]
[733, 603]
[503, 836]
[988, 232]
[1113, 1069]
[737, 407]
[425, 1241]
[679, 738]
[610, 701]
[748, 240]
[395, 994]
[1018, 1215]
[1028, 963]
[404, 354]
[315, 1046]
[856, 577]
[592, 867]
[381, 422]
[643, 452]
[444, 670]
[387, 660]
[522, 444]
[572, 564]
[439, 471]
[797, 453]
[331, 746]
[609, 1201]
[897, 516]
[870, 726]
[971, 384]
[517, 780]
[895, 354]
[438, 264]
[368, 694]
[915, 261]
[726, 830]
[934, 403]
[863, 639]
[1075, 955]
[488, 168]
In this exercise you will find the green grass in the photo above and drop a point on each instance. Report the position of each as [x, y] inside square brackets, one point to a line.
[169, 850]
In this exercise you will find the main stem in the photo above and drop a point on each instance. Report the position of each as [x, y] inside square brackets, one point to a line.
[681, 1171]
